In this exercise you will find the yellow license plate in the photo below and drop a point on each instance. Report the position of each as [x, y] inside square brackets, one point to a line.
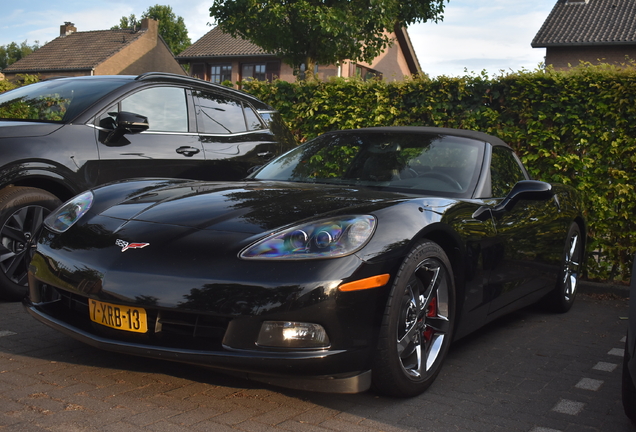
[126, 318]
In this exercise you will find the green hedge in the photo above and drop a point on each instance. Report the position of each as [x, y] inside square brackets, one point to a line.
[576, 127]
[6, 85]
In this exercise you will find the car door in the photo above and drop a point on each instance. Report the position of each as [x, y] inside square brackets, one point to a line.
[169, 148]
[233, 135]
[525, 237]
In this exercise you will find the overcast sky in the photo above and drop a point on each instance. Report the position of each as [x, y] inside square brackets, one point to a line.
[475, 35]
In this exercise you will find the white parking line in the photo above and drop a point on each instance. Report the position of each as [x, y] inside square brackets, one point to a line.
[542, 429]
[605, 367]
[620, 352]
[589, 384]
[569, 407]
[6, 333]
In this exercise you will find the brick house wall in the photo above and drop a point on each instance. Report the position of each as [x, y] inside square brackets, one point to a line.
[562, 58]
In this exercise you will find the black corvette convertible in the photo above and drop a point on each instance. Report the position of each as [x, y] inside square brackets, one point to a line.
[350, 262]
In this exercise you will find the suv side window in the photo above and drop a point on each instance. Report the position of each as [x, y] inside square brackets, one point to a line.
[219, 114]
[165, 107]
[505, 171]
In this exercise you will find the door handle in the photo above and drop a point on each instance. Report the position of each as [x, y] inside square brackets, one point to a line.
[188, 151]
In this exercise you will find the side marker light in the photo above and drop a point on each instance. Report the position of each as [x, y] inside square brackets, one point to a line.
[362, 284]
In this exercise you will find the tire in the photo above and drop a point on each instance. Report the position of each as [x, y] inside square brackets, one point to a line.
[628, 390]
[22, 210]
[417, 325]
[561, 298]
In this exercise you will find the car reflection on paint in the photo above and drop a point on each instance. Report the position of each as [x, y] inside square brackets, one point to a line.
[349, 262]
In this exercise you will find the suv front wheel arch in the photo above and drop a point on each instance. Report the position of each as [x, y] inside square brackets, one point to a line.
[22, 210]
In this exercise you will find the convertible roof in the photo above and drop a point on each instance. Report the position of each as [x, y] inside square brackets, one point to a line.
[480, 136]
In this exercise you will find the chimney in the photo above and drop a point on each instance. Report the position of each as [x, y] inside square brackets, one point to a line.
[67, 28]
[149, 24]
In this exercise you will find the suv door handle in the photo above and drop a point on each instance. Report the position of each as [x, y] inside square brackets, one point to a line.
[188, 151]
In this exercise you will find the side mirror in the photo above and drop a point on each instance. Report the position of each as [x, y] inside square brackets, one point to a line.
[523, 190]
[131, 123]
[126, 123]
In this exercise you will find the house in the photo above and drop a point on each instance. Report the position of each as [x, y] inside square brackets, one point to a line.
[219, 57]
[595, 31]
[101, 52]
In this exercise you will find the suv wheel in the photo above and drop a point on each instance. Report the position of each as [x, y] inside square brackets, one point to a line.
[22, 210]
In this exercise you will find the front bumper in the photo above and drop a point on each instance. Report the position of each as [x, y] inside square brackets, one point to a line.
[264, 368]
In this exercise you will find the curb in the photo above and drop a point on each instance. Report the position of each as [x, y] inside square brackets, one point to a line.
[588, 287]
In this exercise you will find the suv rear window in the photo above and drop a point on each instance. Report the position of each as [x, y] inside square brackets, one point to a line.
[56, 101]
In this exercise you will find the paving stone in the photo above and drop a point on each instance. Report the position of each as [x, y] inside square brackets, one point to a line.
[255, 426]
[193, 416]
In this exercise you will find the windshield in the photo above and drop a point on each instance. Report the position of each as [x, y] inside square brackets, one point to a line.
[56, 101]
[419, 162]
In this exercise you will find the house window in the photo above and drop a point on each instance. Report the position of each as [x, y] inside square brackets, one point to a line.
[254, 71]
[267, 71]
[367, 73]
[220, 73]
[198, 70]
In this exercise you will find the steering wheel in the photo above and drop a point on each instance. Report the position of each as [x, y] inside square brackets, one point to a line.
[443, 177]
[408, 173]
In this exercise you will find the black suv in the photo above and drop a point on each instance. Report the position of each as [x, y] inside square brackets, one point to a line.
[63, 136]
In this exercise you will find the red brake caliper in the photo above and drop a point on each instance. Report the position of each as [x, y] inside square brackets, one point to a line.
[431, 312]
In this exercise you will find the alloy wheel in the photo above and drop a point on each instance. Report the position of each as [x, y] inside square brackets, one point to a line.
[424, 319]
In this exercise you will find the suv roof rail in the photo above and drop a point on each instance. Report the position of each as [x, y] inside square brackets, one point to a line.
[167, 75]
[146, 75]
[186, 78]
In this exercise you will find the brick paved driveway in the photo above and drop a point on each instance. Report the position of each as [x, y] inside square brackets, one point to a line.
[530, 372]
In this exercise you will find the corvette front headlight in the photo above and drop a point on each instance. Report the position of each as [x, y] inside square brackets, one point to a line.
[326, 238]
[70, 212]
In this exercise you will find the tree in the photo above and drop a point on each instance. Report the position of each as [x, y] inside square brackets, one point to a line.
[321, 31]
[126, 22]
[171, 27]
[13, 52]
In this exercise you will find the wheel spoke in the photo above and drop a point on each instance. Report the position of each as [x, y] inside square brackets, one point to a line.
[35, 218]
[411, 322]
[19, 217]
[573, 245]
[11, 233]
[427, 296]
[5, 256]
[409, 340]
[14, 269]
[434, 350]
[439, 324]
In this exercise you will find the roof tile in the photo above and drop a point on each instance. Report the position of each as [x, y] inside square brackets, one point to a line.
[591, 22]
[79, 50]
[216, 43]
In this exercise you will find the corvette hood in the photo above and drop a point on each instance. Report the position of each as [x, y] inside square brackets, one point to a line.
[249, 207]
[11, 129]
